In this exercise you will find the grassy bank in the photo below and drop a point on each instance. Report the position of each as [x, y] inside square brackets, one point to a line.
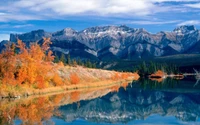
[71, 78]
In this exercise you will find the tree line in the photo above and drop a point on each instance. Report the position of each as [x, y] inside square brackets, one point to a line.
[66, 60]
[146, 68]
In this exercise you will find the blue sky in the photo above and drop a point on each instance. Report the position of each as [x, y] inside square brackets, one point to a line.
[19, 16]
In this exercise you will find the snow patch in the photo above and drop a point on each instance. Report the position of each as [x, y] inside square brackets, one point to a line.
[65, 51]
[91, 52]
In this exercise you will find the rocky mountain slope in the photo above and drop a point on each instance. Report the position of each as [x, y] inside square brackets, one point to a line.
[118, 42]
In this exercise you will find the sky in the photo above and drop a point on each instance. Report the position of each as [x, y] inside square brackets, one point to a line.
[20, 16]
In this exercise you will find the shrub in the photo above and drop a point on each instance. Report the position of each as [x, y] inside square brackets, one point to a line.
[57, 80]
[116, 76]
[74, 78]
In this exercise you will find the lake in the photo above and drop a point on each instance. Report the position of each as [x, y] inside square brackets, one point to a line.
[144, 102]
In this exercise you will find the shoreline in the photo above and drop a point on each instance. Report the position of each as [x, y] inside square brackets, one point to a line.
[63, 89]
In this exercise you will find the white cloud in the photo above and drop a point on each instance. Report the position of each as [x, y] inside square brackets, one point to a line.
[1, 14]
[45, 9]
[26, 3]
[4, 37]
[22, 26]
[102, 7]
[19, 17]
[174, 0]
[190, 22]
[154, 22]
[99, 7]
[197, 5]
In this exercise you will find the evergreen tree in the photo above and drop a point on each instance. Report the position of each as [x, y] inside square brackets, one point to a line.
[56, 59]
[79, 62]
[74, 63]
[68, 59]
[88, 64]
[94, 65]
[62, 58]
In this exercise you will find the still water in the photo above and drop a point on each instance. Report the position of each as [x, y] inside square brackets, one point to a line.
[143, 102]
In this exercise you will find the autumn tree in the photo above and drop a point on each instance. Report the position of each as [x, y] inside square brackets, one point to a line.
[28, 65]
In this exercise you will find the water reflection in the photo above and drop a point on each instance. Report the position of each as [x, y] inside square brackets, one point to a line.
[144, 101]
[40, 110]
[29, 111]
[139, 101]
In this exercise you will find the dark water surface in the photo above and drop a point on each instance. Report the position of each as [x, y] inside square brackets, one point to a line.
[142, 102]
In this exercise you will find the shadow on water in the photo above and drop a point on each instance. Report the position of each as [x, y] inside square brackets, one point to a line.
[145, 101]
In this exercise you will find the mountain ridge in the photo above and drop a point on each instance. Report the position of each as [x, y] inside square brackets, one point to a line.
[118, 42]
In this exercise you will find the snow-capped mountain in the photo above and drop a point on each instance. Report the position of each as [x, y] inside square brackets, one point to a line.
[118, 42]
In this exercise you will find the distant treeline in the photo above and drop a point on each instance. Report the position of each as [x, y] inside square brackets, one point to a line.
[146, 68]
[66, 59]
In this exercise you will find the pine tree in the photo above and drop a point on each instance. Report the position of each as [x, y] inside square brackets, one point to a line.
[88, 64]
[79, 62]
[68, 59]
[74, 62]
[62, 58]
[56, 59]
[93, 65]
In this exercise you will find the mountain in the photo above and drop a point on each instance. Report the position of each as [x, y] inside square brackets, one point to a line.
[118, 42]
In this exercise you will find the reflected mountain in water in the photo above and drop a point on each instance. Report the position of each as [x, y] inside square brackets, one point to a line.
[136, 103]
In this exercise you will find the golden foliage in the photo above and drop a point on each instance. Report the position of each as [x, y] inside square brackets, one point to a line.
[57, 80]
[27, 66]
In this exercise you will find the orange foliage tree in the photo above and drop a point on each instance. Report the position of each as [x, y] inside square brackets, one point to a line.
[74, 78]
[30, 65]
[57, 80]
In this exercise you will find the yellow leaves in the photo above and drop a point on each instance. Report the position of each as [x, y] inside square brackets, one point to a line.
[40, 81]
[22, 75]
[36, 52]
